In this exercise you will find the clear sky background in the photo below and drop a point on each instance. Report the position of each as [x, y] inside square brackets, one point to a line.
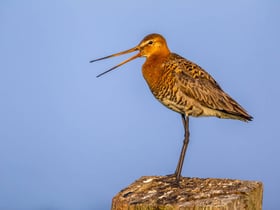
[71, 141]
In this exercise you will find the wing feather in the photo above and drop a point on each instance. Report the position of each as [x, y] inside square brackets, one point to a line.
[196, 83]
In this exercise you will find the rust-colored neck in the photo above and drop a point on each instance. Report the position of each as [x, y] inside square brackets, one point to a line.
[153, 69]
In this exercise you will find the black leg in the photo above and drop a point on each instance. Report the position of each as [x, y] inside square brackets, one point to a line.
[178, 171]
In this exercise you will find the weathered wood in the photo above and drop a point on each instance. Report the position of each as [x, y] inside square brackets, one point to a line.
[162, 193]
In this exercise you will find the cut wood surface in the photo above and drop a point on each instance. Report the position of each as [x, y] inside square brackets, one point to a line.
[163, 193]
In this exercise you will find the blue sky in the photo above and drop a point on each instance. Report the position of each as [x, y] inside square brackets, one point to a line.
[71, 141]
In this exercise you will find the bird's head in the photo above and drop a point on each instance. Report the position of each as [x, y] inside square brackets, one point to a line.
[151, 45]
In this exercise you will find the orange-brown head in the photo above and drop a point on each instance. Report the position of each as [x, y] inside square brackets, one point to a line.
[151, 45]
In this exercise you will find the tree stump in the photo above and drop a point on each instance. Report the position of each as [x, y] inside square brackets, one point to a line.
[163, 193]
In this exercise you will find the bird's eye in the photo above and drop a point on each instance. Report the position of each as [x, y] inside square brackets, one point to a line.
[150, 42]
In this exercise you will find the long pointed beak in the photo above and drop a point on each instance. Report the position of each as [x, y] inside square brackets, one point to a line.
[117, 54]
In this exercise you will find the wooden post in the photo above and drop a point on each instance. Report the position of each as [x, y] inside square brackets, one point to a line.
[162, 193]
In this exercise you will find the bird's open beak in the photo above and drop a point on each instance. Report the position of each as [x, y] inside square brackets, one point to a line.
[117, 54]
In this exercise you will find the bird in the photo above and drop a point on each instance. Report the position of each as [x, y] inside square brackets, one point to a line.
[182, 86]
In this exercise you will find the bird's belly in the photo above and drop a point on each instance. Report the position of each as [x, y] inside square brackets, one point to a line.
[178, 102]
[172, 105]
[191, 108]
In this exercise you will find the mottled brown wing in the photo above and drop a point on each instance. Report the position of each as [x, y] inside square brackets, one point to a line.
[199, 85]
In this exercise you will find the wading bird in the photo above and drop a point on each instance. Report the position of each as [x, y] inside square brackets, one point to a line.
[182, 86]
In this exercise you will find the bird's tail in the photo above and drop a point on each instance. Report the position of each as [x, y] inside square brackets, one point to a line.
[236, 111]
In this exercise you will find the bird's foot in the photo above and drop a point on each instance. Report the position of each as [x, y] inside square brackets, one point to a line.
[173, 179]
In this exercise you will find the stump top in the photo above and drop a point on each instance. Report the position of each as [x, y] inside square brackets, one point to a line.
[163, 191]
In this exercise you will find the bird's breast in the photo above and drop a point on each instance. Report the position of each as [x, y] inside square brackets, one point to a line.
[153, 72]
[161, 82]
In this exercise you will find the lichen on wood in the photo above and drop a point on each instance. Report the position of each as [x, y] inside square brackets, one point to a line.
[164, 193]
